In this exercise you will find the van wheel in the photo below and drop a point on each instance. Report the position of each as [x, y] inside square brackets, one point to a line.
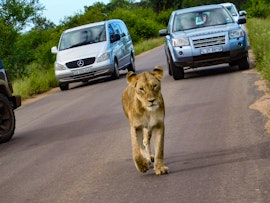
[7, 119]
[63, 86]
[131, 66]
[177, 72]
[116, 74]
[243, 63]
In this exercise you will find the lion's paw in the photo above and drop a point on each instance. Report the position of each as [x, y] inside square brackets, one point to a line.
[142, 165]
[161, 170]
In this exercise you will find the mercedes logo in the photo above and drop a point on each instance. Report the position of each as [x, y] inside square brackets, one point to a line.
[80, 63]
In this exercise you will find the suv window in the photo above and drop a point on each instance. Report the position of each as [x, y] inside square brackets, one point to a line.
[196, 19]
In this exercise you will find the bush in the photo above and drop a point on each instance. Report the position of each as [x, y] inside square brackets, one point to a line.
[259, 38]
[258, 8]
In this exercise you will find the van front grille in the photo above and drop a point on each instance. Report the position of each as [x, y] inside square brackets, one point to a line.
[81, 63]
[206, 42]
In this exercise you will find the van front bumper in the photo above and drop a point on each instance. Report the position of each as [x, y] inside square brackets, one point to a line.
[82, 74]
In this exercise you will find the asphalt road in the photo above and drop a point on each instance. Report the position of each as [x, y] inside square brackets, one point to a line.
[74, 146]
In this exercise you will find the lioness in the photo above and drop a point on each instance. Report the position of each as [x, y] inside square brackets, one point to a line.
[144, 107]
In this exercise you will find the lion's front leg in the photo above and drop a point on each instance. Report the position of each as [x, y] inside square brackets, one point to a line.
[146, 142]
[141, 163]
[158, 136]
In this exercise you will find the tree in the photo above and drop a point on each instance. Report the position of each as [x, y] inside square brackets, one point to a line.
[18, 13]
[15, 15]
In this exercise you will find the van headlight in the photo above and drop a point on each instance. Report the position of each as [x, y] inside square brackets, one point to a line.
[58, 66]
[180, 42]
[236, 34]
[103, 57]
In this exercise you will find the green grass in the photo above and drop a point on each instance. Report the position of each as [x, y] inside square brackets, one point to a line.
[259, 37]
[40, 80]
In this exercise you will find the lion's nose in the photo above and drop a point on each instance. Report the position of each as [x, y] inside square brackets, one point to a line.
[151, 100]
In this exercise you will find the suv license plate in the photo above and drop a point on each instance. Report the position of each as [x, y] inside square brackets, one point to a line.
[211, 50]
[81, 71]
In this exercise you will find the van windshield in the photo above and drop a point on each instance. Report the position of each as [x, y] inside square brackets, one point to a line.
[83, 37]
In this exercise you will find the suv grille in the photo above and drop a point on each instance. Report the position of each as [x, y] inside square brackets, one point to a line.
[206, 42]
[83, 62]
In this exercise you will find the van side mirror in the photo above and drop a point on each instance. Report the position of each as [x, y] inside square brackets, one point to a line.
[114, 38]
[54, 50]
[163, 32]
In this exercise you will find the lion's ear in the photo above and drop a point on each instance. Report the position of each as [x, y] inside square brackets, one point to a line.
[131, 78]
[158, 72]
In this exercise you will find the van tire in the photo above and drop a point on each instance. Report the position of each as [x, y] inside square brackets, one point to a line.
[63, 86]
[116, 74]
[131, 66]
[7, 119]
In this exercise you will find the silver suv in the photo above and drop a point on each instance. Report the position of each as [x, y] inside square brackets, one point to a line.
[203, 36]
[93, 50]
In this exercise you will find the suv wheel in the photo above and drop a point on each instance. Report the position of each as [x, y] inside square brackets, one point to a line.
[169, 66]
[7, 119]
[243, 63]
[177, 72]
[63, 86]
[131, 66]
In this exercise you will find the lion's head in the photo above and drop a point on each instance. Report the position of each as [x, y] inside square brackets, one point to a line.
[147, 87]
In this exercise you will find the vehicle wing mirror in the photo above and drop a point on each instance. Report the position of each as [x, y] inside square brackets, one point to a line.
[163, 32]
[114, 38]
[242, 13]
[54, 50]
[242, 20]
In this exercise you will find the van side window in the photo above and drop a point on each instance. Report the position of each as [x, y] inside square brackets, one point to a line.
[118, 29]
[111, 31]
[124, 29]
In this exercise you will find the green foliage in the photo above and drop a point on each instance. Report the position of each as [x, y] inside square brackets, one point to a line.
[258, 8]
[144, 27]
[259, 37]
[40, 81]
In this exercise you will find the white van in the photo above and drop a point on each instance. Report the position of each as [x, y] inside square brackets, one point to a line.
[93, 50]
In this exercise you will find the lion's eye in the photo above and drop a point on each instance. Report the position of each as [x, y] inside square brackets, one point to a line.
[155, 86]
[141, 89]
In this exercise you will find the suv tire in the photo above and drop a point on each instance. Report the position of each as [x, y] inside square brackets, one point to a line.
[177, 71]
[7, 119]
[243, 63]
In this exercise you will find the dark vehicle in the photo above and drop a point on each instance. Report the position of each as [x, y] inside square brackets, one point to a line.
[8, 103]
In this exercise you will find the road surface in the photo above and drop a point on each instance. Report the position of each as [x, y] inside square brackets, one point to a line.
[74, 146]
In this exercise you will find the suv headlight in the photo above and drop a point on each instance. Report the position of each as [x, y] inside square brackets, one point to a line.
[58, 66]
[180, 42]
[236, 33]
[103, 57]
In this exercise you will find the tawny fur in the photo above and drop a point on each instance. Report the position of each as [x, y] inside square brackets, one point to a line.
[144, 107]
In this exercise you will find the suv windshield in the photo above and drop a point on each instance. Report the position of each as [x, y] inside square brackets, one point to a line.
[83, 37]
[196, 19]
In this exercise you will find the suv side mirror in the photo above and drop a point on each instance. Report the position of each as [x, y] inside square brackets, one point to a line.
[242, 13]
[241, 20]
[114, 38]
